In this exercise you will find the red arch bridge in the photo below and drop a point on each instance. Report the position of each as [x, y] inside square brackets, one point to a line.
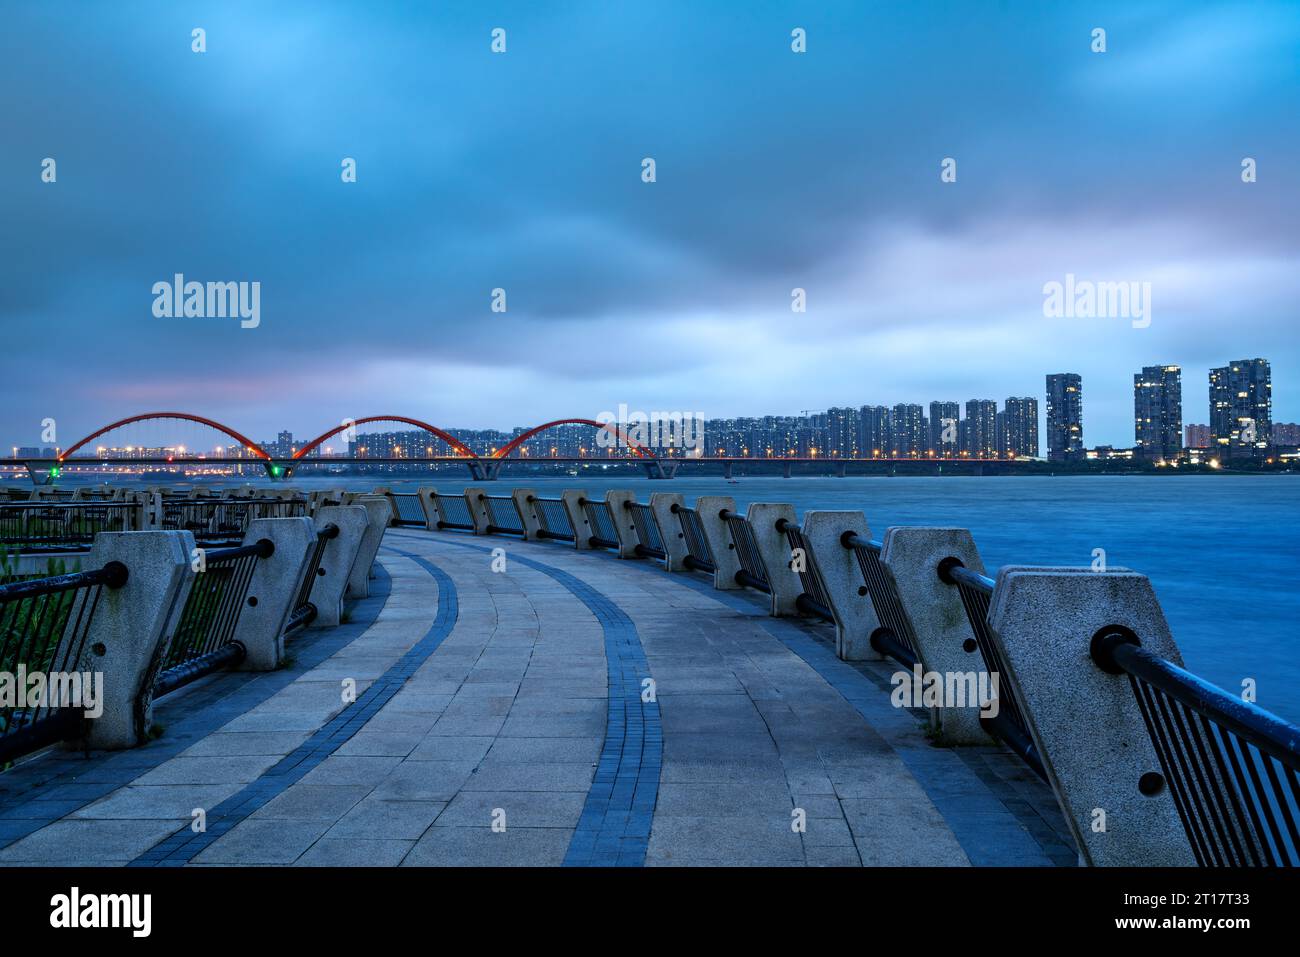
[620, 448]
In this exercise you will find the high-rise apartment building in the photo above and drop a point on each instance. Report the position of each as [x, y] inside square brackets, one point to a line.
[945, 429]
[1064, 416]
[1019, 437]
[1241, 408]
[911, 437]
[874, 439]
[1198, 436]
[1158, 412]
[982, 428]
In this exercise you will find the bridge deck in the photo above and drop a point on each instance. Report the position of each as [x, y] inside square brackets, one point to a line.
[516, 698]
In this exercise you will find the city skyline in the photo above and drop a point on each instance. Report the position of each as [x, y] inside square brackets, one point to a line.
[674, 294]
[1239, 396]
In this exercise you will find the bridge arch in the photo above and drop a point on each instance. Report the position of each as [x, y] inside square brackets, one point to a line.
[640, 450]
[243, 440]
[460, 447]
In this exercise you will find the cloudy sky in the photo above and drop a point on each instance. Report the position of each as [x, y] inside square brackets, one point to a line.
[522, 171]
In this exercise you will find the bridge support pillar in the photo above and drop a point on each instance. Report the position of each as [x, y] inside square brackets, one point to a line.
[661, 468]
[1085, 722]
[725, 561]
[841, 469]
[277, 471]
[785, 470]
[42, 474]
[726, 470]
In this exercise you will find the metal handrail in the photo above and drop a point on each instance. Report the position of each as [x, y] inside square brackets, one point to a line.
[752, 572]
[814, 599]
[44, 624]
[603, 533]
[699, 557]
[649, 542]
[550, 514]
[497, 518]
[1230, 765]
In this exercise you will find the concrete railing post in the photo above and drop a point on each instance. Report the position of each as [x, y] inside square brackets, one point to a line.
[429, 505]
[624, 526]
[336, 562]
[670, 529]
[273, 588]
[478, 509]
[774, 549]
[725, 561]
[945, 643]
[379, 512]
[523, 498]
[851, 607]
[131, 625]
[1086, 723]
[572, 500]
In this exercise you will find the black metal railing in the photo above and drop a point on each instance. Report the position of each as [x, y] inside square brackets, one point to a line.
[814, 599]
[304, 612]
[649, 542]
[69, 526]
[699, 557]
[753, 573]
[1231, 767]
[43, 627]
[204, 640]
[503, 514]
[453, 512]
[409, 509]
[894, 636]
[1009, 725]
[216, 521]
[601, 522]
[552, 518]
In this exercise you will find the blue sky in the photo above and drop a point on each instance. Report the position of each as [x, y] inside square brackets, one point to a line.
[523, 171]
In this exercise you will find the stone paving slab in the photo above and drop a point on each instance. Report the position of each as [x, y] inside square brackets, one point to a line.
[507, 735]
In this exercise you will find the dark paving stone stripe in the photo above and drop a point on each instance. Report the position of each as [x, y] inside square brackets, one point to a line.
[184, 845]
[37, 794]
[614, 828]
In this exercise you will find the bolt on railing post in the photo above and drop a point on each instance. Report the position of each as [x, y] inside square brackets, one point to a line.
[726, 562]
[524, 499]
[379, 512]
[131, 625]
[620, 513]
[670, 529]
[478, 513]
[429, 506]
[1085, 722]
[945, 643]
[336, 563]
[272, 589]
[768, 520]
[572, 500]
[851, 607]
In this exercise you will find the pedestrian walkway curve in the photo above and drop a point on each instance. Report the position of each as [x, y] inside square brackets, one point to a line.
[499, 702]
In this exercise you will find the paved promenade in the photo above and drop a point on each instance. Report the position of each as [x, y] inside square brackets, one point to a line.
[504, 718]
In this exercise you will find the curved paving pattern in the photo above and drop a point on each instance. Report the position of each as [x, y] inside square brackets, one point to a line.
[499, 719]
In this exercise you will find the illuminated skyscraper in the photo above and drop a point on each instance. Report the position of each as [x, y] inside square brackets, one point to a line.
[1158, 412]
[1241, 408]
[1064, 416]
